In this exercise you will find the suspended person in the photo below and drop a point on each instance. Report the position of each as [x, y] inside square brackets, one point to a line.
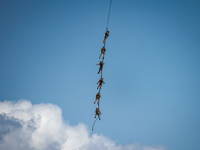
[98, 96]
[106, 36]
[101, 82]
[101, 67]
[97, 113]
[103, 50]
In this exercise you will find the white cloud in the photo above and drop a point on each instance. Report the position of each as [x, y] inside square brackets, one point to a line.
[24, 126]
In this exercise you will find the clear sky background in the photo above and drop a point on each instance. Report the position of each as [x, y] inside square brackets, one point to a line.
[49, 51]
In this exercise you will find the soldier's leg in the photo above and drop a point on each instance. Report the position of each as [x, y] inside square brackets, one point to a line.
[105, 39]
[98, 86]
[101, 70]
[95, 101]
[100, 55]
[103, 55]
[98, 101]
[99, 116]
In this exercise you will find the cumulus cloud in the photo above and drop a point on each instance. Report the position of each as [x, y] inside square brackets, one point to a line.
[24, 126]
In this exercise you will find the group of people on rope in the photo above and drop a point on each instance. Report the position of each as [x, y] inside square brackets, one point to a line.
[101, 81]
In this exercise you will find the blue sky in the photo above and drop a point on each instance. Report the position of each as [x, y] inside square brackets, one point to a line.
[49, 51]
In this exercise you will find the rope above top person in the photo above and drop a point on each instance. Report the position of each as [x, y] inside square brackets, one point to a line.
[108, 15]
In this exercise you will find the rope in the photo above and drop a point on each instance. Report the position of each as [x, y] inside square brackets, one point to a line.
[103, 60]
[108, 15]
[94, 123]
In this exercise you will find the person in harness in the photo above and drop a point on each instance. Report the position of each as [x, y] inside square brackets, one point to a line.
[106, 36]
[98, 96]
[97, 113]
[103, 50]
[101, 82]
[101, 67]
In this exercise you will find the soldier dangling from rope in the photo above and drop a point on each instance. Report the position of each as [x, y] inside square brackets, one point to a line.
[98, 96]
[97, 113]
[101, 67]
[103, 50]
[101, 82]
[106, 36]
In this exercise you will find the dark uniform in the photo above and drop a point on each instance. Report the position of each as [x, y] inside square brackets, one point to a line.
[97, 98]
[106, 35]
[101, 66]
[97, 113]
[101, 82]
[103, 50]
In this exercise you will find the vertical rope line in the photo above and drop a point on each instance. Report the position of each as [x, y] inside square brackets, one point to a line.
[108, 15]
[105, 45]
[94, 124]
[103, 59]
